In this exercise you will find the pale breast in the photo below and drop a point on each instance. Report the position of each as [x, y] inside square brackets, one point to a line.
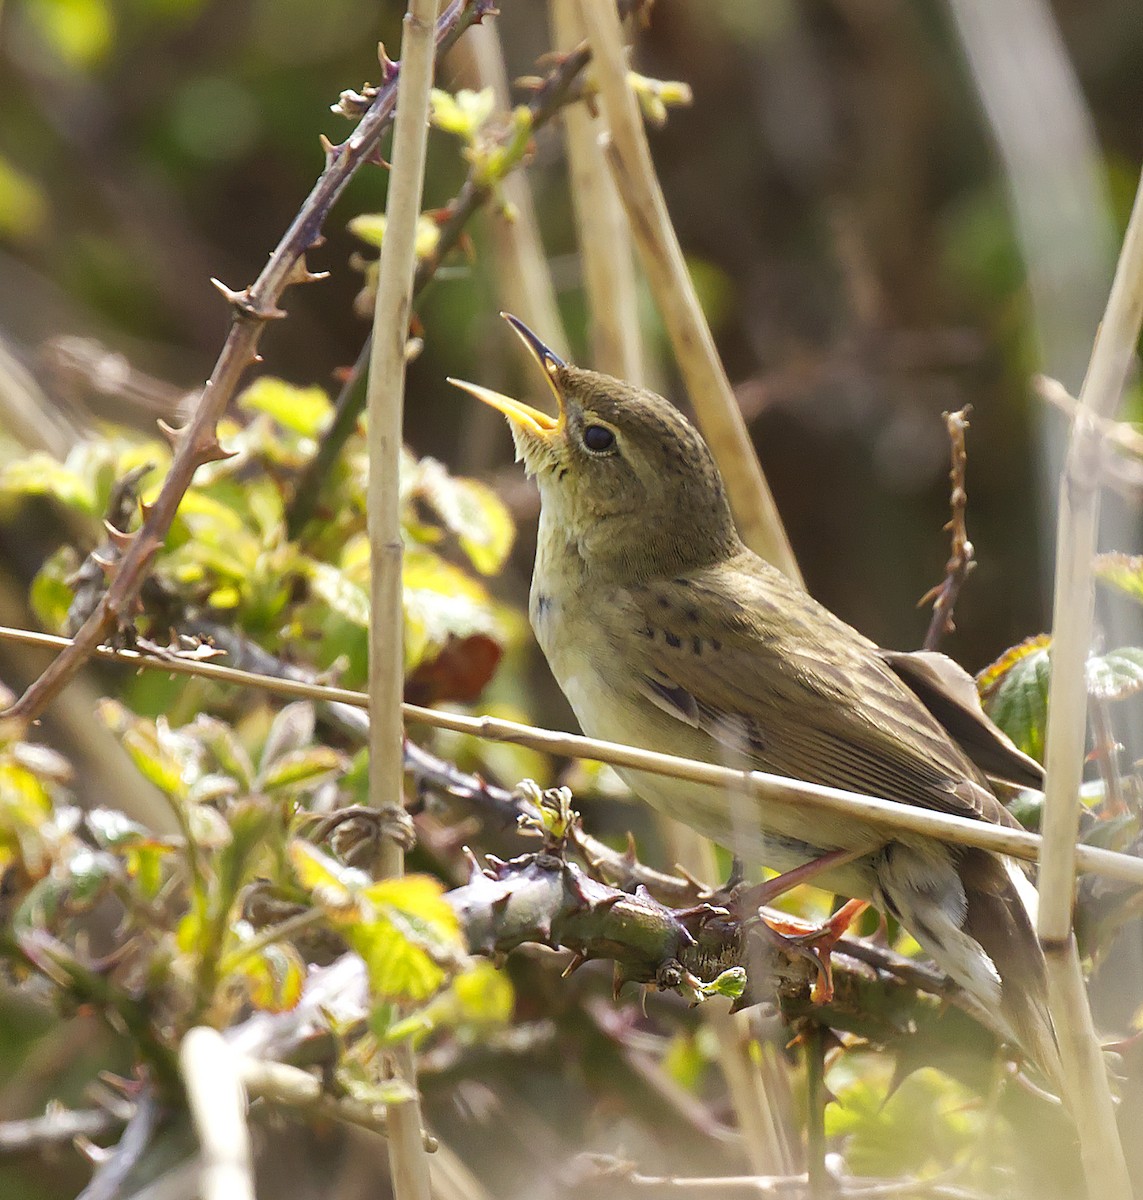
[585, 657]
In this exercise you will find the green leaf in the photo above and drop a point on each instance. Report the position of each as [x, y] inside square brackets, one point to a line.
[731, 982]
[291, 729]
[41, 475]
[88, 874]
[300, 768]
[1014, 692]
[51, 594]
[1124, 572]
[484, 995]
[275, 976]
[230, 754]
[306, 411]
[1116, 674]
[114, 830]
[440, 599]
[370, 228]
[472, 511]
[347, 599]
[335, 889]
[153, 758]
[462, 113]
[412, 940]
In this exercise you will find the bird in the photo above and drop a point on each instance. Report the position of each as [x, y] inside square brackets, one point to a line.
[664, 631]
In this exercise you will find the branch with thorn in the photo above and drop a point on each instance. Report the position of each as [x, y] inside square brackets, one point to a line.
[196, 443]
[962, 560]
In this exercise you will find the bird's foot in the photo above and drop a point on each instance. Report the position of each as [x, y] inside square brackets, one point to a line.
[816, 942]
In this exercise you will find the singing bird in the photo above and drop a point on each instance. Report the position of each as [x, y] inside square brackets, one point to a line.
[666, 632]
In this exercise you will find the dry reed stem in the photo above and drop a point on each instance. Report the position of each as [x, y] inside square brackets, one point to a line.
[217, 1102]
[716, 408]
[522, 273]
[604, 235]
[1099, 398]
[408, 1165]
[882, 814]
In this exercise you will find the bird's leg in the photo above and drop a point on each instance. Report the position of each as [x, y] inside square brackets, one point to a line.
[818, 941]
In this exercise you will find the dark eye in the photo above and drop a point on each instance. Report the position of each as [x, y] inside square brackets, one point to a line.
[598, 438]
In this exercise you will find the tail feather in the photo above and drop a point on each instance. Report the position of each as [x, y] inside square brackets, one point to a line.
[1000, 917]
[974, 913]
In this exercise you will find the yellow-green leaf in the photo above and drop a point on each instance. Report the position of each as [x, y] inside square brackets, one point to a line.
[1124, 572]
[303, 410]
[1014, 692]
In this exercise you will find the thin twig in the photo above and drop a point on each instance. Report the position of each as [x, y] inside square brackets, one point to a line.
[821, 1182]
[197, 442]
[107, 1181]
[1090, 1098]
[882, 814]
[962, 560]
[385, 395]
[794, 1186]
[217, 1104]
[56, 1128]
[715, 405]
[1122, 435]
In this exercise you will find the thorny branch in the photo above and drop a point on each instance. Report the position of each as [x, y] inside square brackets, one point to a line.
[962, 560]
[197, 442]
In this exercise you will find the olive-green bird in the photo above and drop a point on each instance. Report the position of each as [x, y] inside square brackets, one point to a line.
[664, 631]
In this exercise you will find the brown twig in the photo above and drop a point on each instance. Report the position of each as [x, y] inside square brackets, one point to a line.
[197, 442]
[962, 560]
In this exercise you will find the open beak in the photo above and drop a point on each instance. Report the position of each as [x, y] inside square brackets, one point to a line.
[519, 413]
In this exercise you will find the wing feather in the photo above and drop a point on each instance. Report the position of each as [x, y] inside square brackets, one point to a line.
[775, 678]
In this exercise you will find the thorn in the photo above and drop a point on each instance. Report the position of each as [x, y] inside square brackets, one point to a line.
[630, 855]
[256, 359]
[145, 510]
[212, 451]
[329, 150]
[106, 565]
[237, 299]
[300, 273]
[118, 537]
[577, 961]
[169, 432]
[388, 67]
[96, 1155]
[474, 867]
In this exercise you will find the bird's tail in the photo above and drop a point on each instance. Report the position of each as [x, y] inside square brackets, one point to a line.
[1001, 917]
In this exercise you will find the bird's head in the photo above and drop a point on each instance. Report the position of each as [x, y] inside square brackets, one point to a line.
[622, 473]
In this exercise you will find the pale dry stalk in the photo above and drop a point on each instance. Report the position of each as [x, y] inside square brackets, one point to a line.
[716, 407]
[408, 1164]
[1099, 399]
